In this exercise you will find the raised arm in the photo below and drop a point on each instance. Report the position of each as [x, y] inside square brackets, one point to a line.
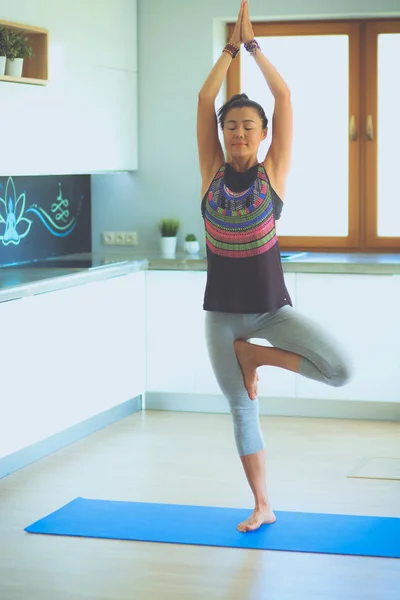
[211, 155]
[277, 161]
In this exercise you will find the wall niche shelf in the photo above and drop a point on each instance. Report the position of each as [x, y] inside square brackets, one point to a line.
[35, 68]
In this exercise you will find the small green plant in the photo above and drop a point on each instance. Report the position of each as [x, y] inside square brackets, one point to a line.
[190, 238]
[16, 44]
[3, 42]
[168, 227]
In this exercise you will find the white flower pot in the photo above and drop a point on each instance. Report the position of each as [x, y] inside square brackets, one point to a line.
[2, 65]
[191, 247]
[14, 67]
[168, 246]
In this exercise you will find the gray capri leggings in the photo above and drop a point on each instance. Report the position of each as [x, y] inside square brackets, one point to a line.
[322, 359]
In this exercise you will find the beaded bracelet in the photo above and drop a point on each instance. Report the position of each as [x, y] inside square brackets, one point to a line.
[252, 46]
[231, 49]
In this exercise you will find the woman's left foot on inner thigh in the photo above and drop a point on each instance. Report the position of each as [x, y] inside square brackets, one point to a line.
[250, 377]
[261, 516]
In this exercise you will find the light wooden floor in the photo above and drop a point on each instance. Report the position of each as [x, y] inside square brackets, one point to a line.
[190, 458]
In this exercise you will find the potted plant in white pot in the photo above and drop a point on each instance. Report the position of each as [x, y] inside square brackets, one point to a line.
[191, 245]
[168, 229]
[3, 50]
[17, 48]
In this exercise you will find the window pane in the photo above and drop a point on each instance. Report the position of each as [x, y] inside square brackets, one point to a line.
[316, 68]
[389, 134]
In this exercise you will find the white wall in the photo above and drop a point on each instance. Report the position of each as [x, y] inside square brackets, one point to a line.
[176, 52]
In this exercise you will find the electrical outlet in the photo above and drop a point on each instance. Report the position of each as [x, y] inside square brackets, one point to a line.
[119, 239]
[107, 238]
[131, 238]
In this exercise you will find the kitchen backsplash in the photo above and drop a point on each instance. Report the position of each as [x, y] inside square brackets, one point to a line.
[44, 216]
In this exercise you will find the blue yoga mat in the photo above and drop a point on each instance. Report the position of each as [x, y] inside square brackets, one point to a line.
[211, 526]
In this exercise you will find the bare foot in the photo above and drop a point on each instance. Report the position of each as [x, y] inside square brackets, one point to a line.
[250, 377]
[260, 516]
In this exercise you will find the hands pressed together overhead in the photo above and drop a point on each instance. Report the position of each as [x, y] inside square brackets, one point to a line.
[243, 31]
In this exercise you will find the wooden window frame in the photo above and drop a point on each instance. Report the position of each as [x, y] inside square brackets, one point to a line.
[362, 198]
[372, 241]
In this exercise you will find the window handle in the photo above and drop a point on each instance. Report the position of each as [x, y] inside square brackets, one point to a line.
[370, 128]
[352, 129]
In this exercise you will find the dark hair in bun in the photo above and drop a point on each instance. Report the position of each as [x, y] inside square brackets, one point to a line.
[240, 101]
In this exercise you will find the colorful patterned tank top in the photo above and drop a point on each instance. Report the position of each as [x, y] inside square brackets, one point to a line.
[244, 269]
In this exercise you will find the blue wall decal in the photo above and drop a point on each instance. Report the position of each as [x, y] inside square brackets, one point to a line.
[44, 216]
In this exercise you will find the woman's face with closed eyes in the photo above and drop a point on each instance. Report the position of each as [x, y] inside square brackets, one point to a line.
[243, 132]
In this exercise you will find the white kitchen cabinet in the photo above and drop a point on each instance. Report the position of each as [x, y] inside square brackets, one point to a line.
[99, 131]
[70, 354]
[361, 311]
[105, 31]
[177, 358]
[205, 381]
[85, 119]
[172, 309]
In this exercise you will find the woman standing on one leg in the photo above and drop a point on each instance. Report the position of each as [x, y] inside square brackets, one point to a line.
[246, 295]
